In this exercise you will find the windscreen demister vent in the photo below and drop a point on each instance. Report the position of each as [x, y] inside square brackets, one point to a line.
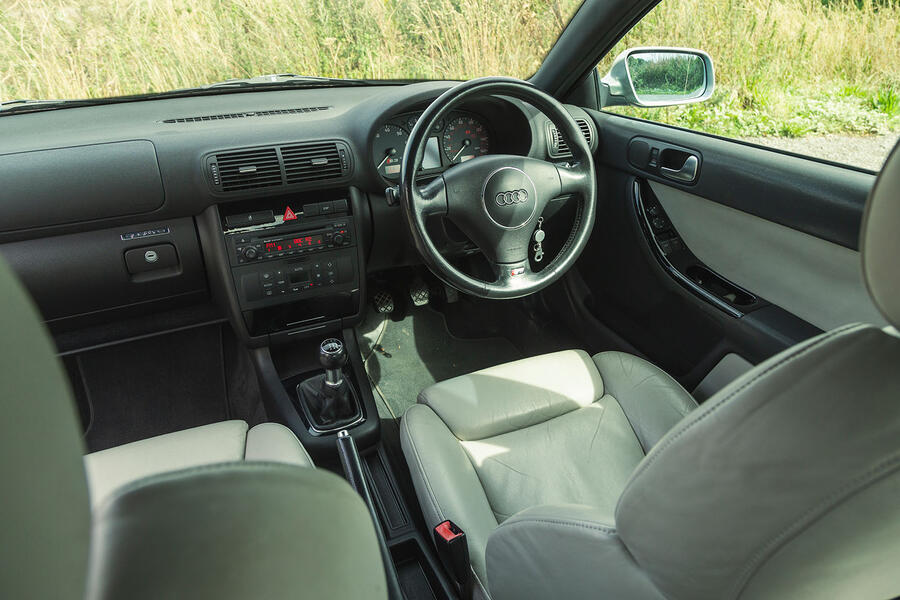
[246, 170]
[557, 145]
[244, 115]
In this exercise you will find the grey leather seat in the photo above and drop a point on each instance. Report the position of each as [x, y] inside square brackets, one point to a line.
[170, 519]
[229, 441]
[577, 476]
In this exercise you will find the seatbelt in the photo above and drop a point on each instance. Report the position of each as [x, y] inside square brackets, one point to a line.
[453, 550]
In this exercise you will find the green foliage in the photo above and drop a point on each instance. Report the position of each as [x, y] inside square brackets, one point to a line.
[786, 68]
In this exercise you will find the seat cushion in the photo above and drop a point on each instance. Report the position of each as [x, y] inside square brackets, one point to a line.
[543, 430]
[227, 441]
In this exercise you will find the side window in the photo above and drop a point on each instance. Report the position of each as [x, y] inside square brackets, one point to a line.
[813, 77]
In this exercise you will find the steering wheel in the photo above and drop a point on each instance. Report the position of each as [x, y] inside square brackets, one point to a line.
[496, 200]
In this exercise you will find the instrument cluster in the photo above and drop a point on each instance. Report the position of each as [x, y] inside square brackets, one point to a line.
[460, 137]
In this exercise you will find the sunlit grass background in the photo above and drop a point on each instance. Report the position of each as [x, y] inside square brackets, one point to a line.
[784, 67]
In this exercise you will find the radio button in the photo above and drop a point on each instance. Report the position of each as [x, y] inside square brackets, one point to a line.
[250, 253]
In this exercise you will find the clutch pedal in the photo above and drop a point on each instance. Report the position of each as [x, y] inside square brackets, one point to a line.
[384, 302]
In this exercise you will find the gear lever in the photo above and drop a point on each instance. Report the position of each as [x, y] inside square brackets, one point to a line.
[328, 400]
[333, 357]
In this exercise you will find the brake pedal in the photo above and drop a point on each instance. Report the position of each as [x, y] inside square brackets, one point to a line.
[418, 292]
[384, 302]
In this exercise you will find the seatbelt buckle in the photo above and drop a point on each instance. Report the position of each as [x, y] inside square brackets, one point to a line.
[453, 551]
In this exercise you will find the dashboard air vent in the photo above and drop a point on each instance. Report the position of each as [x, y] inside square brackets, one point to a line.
[558, 146]
[311, 162]
[247, 170]
[244, 115]
[280, 166]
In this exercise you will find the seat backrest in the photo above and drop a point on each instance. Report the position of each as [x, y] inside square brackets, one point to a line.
[787, 482]
[45, 508]
[228, 531]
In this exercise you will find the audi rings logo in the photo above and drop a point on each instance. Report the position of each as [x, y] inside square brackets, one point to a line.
[513, 197]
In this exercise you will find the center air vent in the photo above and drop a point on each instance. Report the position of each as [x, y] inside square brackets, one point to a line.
[279, 166]
[557, 146]
[310, 162]
[243, 115]
[247, 170]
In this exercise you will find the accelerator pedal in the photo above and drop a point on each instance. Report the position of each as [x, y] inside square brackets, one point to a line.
[384, 302]
[418, 292]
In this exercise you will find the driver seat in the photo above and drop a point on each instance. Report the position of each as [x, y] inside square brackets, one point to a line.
[576, 476]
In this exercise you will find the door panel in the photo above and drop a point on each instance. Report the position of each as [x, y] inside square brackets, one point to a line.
[817, 280]
[781, 228]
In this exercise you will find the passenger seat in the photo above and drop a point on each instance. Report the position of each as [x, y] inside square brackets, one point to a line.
[228, 441]
[217, 512]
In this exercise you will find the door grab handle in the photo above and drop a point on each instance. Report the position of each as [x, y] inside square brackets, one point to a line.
[687, 172]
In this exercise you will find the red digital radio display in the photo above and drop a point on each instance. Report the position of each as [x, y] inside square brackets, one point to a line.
[294, 243]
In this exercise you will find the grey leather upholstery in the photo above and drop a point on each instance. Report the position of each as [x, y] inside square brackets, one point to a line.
[784, 484]
[879, 242]
[542, 430]
[228, 441]
[240, 530]
[249, 529]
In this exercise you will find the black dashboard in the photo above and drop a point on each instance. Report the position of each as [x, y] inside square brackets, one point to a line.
[117, 211]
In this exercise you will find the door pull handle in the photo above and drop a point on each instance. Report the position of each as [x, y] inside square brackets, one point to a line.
[687, 172]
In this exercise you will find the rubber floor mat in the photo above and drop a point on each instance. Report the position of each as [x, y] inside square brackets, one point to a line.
[404, 357]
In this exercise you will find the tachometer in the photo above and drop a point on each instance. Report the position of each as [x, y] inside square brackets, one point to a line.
[390, 142]
[464, 139]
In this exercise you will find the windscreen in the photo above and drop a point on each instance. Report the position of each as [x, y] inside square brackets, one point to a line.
[65, 49]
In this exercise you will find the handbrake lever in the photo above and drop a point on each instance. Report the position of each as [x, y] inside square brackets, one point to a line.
[353, 471]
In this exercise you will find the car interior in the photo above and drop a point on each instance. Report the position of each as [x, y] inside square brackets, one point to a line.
[440, 340]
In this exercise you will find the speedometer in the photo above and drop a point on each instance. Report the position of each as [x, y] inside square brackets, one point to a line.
[387, 149]
[465, 138]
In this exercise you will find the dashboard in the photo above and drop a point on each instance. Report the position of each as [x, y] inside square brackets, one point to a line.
[91, 192]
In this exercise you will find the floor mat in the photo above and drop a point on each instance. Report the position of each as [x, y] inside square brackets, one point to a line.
[153, 386]
[418, 351]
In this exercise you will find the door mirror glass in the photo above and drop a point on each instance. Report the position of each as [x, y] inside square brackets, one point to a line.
[658, 77]
[662, 76]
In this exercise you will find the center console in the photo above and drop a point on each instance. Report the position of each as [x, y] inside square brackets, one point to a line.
[288, 266]
[289, 270]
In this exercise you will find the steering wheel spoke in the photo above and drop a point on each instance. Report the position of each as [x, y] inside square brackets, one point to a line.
[572, 178]
[432, 199]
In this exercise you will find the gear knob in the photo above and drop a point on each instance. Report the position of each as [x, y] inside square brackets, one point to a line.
[333, 357]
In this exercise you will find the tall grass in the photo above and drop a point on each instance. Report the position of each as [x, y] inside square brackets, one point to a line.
[88, 48]
[783, 67]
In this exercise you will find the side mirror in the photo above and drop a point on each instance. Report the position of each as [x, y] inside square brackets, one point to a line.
[658, 77]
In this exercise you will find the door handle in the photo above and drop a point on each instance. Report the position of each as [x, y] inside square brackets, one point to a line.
[687, 172]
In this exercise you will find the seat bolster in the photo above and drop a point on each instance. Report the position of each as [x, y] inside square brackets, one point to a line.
[110, 469]
[446, 483]
[515, 395]
[650, 398]
[276, 443]
[563, 551]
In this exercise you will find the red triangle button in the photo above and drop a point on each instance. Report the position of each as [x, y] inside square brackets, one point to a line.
[289, 214]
